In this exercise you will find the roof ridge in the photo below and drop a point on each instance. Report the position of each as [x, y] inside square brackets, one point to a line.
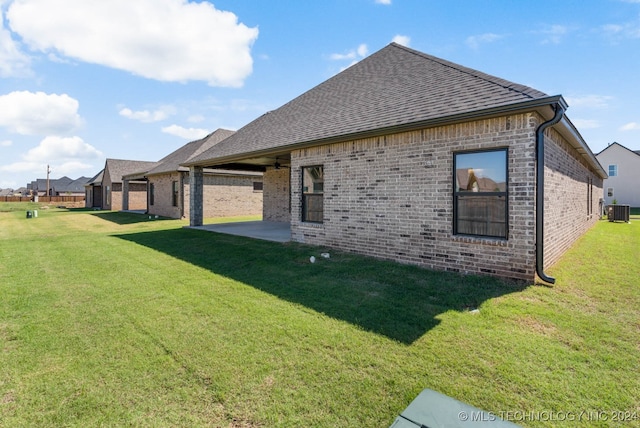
[507, 84]
[615, 143]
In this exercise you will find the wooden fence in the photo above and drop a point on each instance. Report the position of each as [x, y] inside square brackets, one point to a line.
[43, 199]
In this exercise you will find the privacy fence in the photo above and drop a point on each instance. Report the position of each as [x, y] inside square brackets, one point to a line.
[44, 199]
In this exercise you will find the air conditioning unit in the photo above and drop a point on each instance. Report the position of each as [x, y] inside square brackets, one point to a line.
[618, 213]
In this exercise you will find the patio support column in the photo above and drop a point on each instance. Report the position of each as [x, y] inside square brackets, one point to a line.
[125, 194]
[196, 183]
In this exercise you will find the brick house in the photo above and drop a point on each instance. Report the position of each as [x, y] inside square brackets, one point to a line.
[93, 191]
[412, 158]
[112, 185]
[226, 192]
[623, 168]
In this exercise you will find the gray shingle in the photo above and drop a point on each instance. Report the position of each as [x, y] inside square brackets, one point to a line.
[393, 87]
[172, 161]
[119, 167]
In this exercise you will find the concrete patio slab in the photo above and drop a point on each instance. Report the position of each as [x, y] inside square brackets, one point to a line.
[266, 230]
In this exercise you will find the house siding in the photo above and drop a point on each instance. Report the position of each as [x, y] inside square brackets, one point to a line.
[625, 184]
[391, 197]
[276, 198]
[572, 197]
[223, 195]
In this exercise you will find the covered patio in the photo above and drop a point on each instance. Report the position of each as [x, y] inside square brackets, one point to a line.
[275, 231]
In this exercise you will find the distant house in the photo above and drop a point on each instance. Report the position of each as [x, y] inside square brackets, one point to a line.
[408, 157]
[93, 191]
[63, 186]
[68, 187]
[112, 185]
[22, 191]
[226, 192]
[623, 169]
[39, 187]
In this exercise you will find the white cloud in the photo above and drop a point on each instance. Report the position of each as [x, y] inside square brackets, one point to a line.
[148, 116]
[593, 101]
[186, 133]
[6, 143]
[383, 2]
[629, 30]
[554, 34]
[360, 52]
[37, 113]
[474, 42]
[631, 126]
[354, 55]
[72, 169]
[166, 40]
[18, 167]
[66, 156]
[13, 63]
[586, 123]
[62, 149]
[402, 40]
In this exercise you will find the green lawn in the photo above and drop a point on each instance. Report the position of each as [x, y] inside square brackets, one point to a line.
[112, 319]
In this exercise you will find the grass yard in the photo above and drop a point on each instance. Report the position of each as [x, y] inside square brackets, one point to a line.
[112, 319]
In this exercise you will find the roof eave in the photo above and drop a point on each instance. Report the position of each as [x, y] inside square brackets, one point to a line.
[538, 104]
[570, 132]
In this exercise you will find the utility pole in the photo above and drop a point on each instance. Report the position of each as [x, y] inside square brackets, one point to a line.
[48, 171]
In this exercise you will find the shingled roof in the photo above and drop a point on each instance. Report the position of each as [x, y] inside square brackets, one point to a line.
[392, 88]
[172, 161]
[120, 167]
[96, 180]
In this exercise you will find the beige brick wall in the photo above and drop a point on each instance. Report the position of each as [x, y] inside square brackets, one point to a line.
[569, 184]
[226, 195]
[276, 202]
[107, 189]
[163, 195]
[392, 197]
[137, 196]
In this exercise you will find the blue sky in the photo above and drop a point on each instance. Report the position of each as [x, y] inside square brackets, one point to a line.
[83, 80]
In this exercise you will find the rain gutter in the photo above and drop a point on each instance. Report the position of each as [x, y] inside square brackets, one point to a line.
[559, 108]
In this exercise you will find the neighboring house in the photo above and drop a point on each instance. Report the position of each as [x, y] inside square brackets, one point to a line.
[226, 193]
[63, 186]
[69, 187]
[59, 183]
[112, 185]
[22, 191]
[93, 191]
[409, 157]
[39, 187]
[623, 167]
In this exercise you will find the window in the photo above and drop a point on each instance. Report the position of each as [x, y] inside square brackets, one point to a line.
[174, 196]
[151, 194]
[257, 186]
[313, 194]
[480, 193]
[609, 192]
[613, 170]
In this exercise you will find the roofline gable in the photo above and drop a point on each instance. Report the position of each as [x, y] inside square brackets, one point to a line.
[615, 143]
